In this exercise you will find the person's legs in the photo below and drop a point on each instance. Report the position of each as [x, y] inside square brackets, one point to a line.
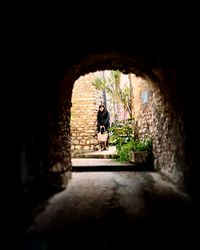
[102, 145]
[107, 142]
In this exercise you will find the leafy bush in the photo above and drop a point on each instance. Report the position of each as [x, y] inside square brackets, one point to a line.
[122, 136]
[141, 145]
[134, 145]
[123, 153]
[120, 133]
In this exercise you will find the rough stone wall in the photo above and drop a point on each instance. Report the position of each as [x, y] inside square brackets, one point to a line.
[144, 105]
[158, 116]
[59, 147]
[85, 101]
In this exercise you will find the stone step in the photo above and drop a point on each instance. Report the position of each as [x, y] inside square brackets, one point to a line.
[110, 153]
[109, 168]
[94, 164]
[96, 156]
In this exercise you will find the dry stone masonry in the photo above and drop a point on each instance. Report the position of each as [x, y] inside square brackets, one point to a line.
[158, 117]
[85, 101]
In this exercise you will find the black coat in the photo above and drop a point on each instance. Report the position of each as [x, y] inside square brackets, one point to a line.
[103, 119]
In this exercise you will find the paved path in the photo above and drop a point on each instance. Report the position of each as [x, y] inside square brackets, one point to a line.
[116, 210]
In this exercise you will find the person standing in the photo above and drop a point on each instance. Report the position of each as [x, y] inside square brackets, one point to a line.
[103, 123]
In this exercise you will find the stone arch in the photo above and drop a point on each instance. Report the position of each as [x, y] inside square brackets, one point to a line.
[169, 139]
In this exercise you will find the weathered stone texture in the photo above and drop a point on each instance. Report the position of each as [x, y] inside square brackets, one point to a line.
[158, 116]
[85, 101]
[59, 147]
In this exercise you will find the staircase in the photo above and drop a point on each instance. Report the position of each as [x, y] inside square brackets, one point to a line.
[102, 161]
[110, 153]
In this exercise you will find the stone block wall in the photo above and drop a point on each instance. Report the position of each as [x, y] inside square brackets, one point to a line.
[85, 101]
[157, 116]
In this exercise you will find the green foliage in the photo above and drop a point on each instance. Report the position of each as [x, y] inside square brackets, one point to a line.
[136, 146]
[121, 132]
[122, 136]
[116, 74]
[123, 152]
[141, 145]
[111, 86]
[126, 99]
[99, 83]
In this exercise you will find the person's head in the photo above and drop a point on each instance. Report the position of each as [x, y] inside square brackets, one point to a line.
[102, 107]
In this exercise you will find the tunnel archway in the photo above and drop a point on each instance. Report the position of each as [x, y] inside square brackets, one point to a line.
[170, 156]
[45, 155]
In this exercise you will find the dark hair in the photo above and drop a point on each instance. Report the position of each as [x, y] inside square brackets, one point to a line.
[101, 106]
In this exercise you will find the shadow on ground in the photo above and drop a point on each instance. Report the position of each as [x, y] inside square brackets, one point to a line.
[132, 214]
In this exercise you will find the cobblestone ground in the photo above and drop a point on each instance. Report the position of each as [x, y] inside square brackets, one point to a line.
[115, 210]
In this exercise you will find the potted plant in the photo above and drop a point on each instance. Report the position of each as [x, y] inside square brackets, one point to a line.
[129, 149]
[140, 150]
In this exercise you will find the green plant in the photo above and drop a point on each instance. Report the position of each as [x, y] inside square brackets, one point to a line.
[119, 97]
[121, 134]
[136, 146]
[141, 145]
[123, 152]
